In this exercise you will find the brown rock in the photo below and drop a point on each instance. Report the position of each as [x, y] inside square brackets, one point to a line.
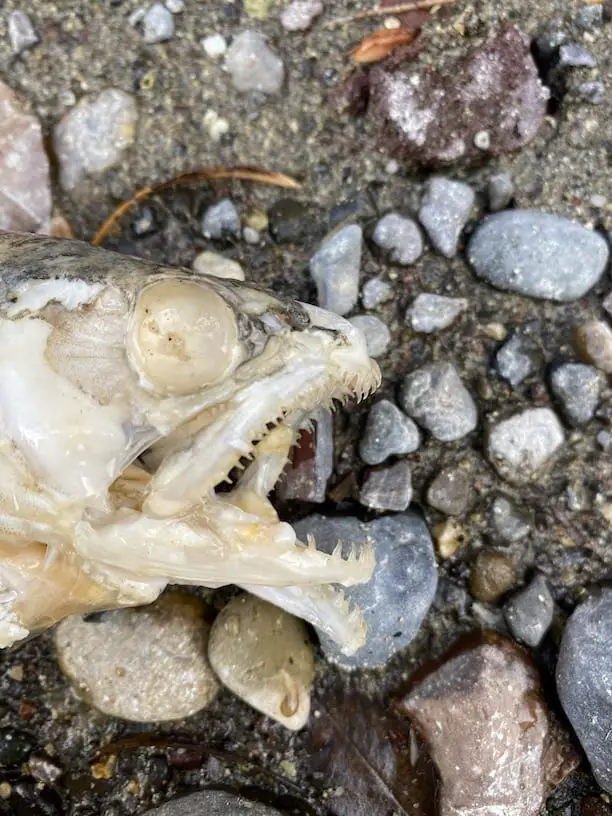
[312, 461]
[492, 574]
[491, 102]
[487, 730]
[594, 343]
[25, 192]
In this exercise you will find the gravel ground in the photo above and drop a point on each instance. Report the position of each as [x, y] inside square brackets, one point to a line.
[87, 47]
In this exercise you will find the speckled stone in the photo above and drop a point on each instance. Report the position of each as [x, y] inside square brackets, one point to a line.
[520, 446]
[376, 333]
[388, 431]
[252, 64]
[21, 32]
[429, 313]
[299, 14]
[513, 363]
[509, 522]
[335, 269]
[537, 254]
[578, 388]
[146, 664]
[500, 191]
[264, 656]
[388, 488]
[212, 803]
[445, 211]
[396, 599]
[399, 237]
[158, 24]
[529, 612]
[492, 575]
[220, 220]
[376, 292]
[436, 398]
[450, 491]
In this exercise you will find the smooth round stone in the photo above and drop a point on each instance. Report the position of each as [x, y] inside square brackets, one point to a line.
[529, 612]
[520, 446]
[537, 254]
[594, 342]
[429, 313]
[584, 681]
[376, 334]
[450, 491]
[252, 64]
[398, 596]
[388, 431]
[210, 263]
[375, 292]
[146, 664]
[577, 387]
[212, 803]
[264, 656]
[436, 398]
[500, 191]
[492, 574]
[399, 237]
[335, 269]
[445, 211]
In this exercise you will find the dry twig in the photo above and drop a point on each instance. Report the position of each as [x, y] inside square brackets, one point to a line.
[380, 11]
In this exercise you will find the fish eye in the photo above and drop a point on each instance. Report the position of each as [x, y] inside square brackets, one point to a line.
[183, 336]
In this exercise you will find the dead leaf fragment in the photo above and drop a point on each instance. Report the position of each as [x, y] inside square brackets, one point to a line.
[378, 45]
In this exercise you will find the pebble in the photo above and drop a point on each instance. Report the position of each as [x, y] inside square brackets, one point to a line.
[594, 342]
[444, 213]
[215, 45]
[529, 612]
[253, 65]
[264, 656]
[578, 388]
[21, 32]
[210, 263]
[513, 363]
[509, 522]
[584, 681]
[572, 55]
[589, 17]
[592, 91]
[500, 191]
[94, 134]
[299, 14]
[429, 313]
[251, 236]
[388, 488]
[388, 432]
[537, 254]
[376, 333]
[220, 220]
[375, 292]
[25, 186]
[491, 576]
[158, 24]
[481, 713]
[212, 803]
[450, 491]
[146, 664]
[335, 269]
[520, 446]
[431, 117]
[306, 476]
[215, 125]
[395, 601]
[436, 398]
[399, 237]
[175, 6]
[449, 536]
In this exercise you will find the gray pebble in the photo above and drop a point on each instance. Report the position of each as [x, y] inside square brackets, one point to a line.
[509, 523]
[221, 219]
[158, 24]
[572, 55]
[21, 32]
[450, 491]
[175, 6]
[335, 269]
[388, 488]
[400, 237]
[252, 64]
[388, 432]
[436, 398]
[299, 14]
[520, 446]
[513, 363]
[212, 803]
[537, 254]
[529, 613]
[604, 440]
[589, 17]
[429, 313]
[584, 681]
[500, 191]
[376, 333]
[376, 292]
[397, 598]
[578, 389]
[592, 91]
[251, 236]
[445, 211]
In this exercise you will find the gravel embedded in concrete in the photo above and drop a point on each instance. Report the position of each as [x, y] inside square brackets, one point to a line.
[376, 292]
[212, 803]
[21, 31]
[578, 388]
[444, 213]
[512, 361]
[429, 313]
[388, 432]
[253, 65]
[529, 612]
[158, 24]
[388, 488]
[500, 191]
[520, 446]
[220, 220]
[376, 333]
[335, 269]
[399, 237]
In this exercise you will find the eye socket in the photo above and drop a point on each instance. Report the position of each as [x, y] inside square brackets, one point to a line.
[183, 337]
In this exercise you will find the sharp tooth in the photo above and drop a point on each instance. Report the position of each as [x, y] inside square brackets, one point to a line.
[310, 542]
[337, 553]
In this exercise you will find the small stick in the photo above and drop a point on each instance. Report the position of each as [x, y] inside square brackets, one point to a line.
[379, 11]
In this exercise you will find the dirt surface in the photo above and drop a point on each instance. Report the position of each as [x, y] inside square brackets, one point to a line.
[88, 46]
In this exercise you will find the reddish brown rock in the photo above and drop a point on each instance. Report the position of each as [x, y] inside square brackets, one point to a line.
[492, 102]
[494, 744]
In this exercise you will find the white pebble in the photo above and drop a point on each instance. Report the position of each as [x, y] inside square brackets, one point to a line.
[251, 236]
[21, 32]
[253, 65]
[298, 16]
[158, 24]
[215, 125]
[215, 45]
[175, 6]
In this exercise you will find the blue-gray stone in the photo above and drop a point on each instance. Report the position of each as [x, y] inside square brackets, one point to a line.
[513, 363]
[388, 488]
[335, 269]
[584, 681]
[221, 219]
[577, 387]
[500, 191]
[529, 612]
[396, 599]
[538, 254]
[573, 55]
[400, 237]
[212, 803]
[388, 431]
[445, 211]
[376, 333]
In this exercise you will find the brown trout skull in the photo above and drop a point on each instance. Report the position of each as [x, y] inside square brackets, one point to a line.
[128, 393]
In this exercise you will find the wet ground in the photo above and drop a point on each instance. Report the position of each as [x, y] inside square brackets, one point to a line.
[89, 46]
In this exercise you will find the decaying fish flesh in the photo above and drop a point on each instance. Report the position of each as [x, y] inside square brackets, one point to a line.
[128, 393]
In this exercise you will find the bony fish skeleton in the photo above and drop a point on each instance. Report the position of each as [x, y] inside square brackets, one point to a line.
[128, 393]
